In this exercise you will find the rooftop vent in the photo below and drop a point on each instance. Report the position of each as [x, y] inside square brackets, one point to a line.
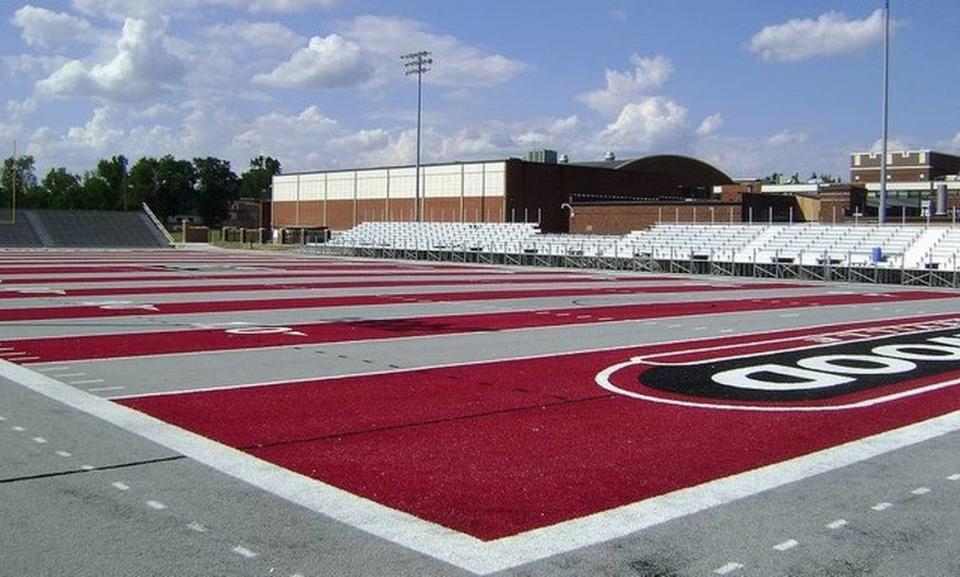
[609, 157]
[543, 155]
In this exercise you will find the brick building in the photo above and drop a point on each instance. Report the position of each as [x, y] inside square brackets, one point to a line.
[508, 190]
[903, 166]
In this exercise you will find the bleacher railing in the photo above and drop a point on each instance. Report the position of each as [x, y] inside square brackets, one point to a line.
[158, 224]
[669, 253]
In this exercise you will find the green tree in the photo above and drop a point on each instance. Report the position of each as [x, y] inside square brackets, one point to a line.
[17, 176]
[257, 182]
[217, 185]
[59, 189]
[175, 186]
[96, 193]
[142, 185]
[113, 171]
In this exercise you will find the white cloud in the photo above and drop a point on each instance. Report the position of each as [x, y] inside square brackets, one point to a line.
[17, 109]
[330, 62]
[282, 5]
[710, 125]
[259, 35]
[141, 68]
[30, 65]
[455, 63]
[893, 143]
[787, 137]
[618, 15]
[551, 135]
[625, 87]
[786, 151]
[362, 140]
[122, 9]
[44, 28]
[832, 34]
[298, 139]
[99, 133]
[644, 125]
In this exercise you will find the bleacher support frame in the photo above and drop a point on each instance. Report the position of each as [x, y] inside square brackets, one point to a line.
[826, 271]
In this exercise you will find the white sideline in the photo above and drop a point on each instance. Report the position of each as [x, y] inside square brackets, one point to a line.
[457, 548]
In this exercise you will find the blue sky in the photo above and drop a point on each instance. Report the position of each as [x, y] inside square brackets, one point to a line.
[753, 87]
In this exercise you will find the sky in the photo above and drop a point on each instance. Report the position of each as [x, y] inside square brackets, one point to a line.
[751, 87]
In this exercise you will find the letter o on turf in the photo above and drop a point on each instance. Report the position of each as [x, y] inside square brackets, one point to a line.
[835, 364]
[914, 352]
[799, 379]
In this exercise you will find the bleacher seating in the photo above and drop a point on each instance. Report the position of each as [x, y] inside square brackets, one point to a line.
[485, 236]
[80, 229]
[17, 232]
[809, 244]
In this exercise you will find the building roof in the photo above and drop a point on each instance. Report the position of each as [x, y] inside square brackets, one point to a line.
[673, 164]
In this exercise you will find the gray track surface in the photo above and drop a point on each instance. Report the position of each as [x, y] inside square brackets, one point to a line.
[80, 496]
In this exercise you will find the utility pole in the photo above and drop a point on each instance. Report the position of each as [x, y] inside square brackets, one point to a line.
[882, 209]
[417, 63]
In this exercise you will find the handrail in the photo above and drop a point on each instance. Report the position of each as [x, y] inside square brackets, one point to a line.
[158, 224]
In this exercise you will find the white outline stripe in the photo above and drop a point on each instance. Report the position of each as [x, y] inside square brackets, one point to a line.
[456, 548]
[494, 360]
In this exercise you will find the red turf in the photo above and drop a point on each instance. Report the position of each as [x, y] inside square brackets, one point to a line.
[499, 448]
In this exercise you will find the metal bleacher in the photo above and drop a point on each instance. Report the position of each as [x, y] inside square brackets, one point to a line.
[17, 233]
[80, 229]
[917, 254]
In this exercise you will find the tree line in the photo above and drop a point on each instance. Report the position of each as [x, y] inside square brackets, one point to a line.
[202, 187]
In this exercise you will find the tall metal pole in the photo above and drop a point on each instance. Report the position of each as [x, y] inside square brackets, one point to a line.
[417, 63]
[882, 209]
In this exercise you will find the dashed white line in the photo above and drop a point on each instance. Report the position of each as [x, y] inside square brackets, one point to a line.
[786, 545]
[66, 375]
[881, 506]
[64, 454]
[728, 568]
[156, 505]
[3, 418]
[605, 319]
[55, 369]
[837, 524]
[699, 328]
[121, 486]
[18, 429]
[954, 477]
[194, 526]
[86, 382]
[39, 440]
[87, 467]
[789, 315]
[674, 326]
[920, 491]
[244, 552]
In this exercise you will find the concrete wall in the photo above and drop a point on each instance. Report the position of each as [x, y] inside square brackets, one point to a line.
[342, 199]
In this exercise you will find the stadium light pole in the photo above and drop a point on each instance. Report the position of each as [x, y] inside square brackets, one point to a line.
[882, 208]
[417, 63]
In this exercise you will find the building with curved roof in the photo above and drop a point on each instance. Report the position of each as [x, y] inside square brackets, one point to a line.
[506, 190]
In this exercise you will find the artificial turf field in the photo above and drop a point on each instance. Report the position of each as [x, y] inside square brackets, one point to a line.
[461, 418]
